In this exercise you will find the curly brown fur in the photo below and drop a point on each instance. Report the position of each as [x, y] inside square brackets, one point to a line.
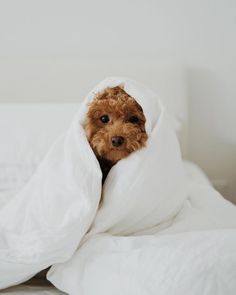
[115, 126]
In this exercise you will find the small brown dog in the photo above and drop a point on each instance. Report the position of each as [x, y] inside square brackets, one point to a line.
[115, 127]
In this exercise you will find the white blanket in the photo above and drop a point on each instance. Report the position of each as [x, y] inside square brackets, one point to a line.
[136, 242]
[194, 255]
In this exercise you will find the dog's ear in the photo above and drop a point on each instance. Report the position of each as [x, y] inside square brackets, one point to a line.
[88, 129]
[139, 107]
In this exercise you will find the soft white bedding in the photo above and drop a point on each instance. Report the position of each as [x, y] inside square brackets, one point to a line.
[209, 254]
[195, 255]
[157, 231]
[47, 219]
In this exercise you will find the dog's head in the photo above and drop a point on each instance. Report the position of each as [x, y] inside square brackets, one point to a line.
[115, 125]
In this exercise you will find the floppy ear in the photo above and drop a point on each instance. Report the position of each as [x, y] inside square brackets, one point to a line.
[88, 127]
[139, 107]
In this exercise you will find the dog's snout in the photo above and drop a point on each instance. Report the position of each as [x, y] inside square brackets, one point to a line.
[117, 140]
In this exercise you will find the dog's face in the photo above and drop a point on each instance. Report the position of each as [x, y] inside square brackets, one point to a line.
[115, 125]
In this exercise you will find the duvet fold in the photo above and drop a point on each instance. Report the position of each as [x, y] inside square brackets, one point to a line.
[45, 222]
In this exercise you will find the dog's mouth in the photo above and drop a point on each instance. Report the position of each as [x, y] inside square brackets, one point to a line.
[114, 153]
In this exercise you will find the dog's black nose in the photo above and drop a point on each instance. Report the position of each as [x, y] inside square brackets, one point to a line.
[117, 141]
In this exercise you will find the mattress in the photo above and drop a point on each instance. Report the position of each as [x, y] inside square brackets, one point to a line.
[42, 287]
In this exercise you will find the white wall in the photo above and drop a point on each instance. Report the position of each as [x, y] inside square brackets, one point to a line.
[200, 34]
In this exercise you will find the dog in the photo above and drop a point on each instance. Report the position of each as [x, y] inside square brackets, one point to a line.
[115, 127]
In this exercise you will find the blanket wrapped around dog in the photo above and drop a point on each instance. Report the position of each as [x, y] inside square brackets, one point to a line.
[44, 223]
[112, 247]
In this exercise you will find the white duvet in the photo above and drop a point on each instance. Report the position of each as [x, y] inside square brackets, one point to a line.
[155, 232]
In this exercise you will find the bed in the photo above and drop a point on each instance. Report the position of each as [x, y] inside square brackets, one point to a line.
[27, 131]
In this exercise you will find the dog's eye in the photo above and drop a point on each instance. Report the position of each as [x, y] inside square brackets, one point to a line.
[134, 119]
[104, 119]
